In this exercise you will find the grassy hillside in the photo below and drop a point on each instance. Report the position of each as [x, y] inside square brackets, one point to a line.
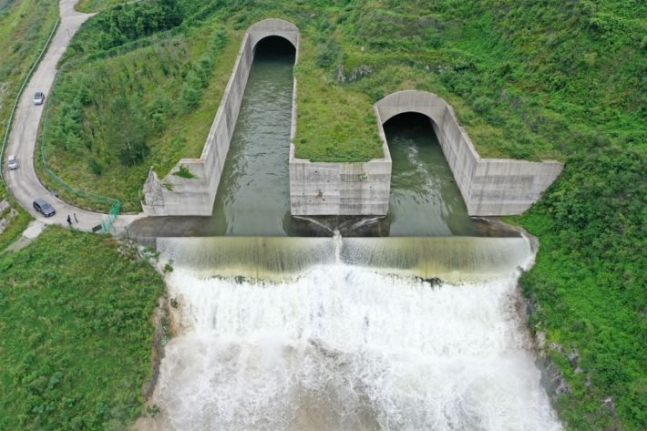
[167, 95]
[532, 80]
[90, 6]
[519, 90]
[24, 27]
[76, 321]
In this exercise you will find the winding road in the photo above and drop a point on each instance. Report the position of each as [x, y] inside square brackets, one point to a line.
[23, 183]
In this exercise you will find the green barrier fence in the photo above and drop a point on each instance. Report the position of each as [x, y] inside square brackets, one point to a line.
[108, 223]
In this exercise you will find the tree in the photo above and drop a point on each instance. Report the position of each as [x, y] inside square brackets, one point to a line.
[127, 130]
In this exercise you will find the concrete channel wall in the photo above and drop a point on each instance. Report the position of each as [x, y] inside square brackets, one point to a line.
[179, 195]
[340, 188]
[318, 188]
[490, 187]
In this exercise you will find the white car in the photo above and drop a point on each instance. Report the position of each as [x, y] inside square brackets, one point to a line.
[12, 162]
[39, 98]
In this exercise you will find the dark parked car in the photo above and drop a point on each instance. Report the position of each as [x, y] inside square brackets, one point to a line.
[43, 207]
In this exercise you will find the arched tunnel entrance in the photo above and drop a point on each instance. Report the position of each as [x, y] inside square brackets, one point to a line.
[425, 199]
[274, 47]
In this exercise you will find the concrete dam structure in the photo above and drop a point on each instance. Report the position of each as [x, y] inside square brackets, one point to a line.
[490, 187]
[318, 188]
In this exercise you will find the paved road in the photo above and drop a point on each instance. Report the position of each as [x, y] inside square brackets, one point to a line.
[23, 182]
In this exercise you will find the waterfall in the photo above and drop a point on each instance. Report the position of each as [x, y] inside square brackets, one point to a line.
[448, 258]
[285, 333]
[356, 334]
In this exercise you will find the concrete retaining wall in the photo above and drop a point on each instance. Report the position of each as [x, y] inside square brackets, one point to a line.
[318, 188]
[175, 195]
[490, 187]
[340, 188]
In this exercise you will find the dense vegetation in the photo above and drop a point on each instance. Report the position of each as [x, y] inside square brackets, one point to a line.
[528, 79]
[519, 90]
[76, 324]
[590, 285]
[24, 27]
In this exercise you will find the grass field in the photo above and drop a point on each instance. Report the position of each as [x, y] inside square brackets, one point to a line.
[77, 332]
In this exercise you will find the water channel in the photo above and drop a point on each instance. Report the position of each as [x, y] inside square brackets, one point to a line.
[253, 196]
[417, 331]
[425, 200]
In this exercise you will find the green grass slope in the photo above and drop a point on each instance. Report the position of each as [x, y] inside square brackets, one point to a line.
[527, 81]
[106, 143]
[76, 324]
[25, 25]
[589, 286]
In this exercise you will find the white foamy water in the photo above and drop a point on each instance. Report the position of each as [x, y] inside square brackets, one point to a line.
[345, 348]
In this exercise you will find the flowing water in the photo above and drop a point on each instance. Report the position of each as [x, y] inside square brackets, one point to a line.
[425, 200]
[336, 342]
[253, 195]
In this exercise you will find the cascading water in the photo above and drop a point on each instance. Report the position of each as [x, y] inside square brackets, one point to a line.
[333, 345]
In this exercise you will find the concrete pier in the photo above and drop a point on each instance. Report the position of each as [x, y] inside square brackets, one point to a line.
[340, 188]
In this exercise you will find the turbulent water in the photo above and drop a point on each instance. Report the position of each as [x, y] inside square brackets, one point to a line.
[338, 346]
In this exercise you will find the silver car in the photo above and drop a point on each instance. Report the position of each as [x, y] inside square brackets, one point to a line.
[39, 98]
[12, 162]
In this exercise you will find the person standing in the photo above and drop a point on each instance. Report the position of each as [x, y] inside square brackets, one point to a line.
[69, 220]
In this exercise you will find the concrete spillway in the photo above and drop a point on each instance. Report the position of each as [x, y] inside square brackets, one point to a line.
[331, 333]
[279, 258]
